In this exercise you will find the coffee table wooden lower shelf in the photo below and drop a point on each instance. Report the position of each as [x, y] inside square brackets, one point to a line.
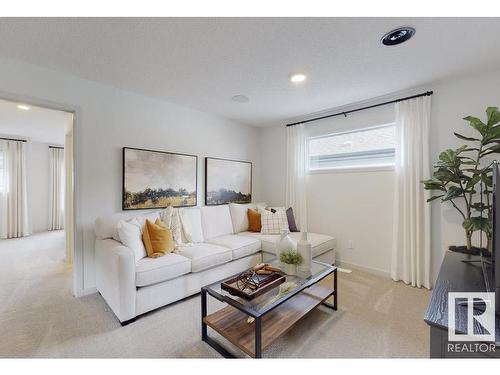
[231, 323]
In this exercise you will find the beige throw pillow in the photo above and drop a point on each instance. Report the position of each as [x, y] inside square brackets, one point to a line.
[170, 218]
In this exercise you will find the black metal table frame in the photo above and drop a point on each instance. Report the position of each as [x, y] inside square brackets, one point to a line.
[257, 315]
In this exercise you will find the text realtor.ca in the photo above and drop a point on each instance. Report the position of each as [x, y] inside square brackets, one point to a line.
[479, 335]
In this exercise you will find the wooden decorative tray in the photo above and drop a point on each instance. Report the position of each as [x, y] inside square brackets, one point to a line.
[266, 283]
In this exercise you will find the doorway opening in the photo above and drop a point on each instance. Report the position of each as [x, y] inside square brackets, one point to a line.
[36, 196]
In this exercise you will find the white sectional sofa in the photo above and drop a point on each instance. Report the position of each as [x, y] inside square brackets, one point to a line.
[224, 247]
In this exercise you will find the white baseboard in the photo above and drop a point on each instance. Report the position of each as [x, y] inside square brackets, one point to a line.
[85, 292]
[372, 270]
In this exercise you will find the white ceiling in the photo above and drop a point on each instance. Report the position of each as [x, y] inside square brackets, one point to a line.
[203, 62]
[37, 125]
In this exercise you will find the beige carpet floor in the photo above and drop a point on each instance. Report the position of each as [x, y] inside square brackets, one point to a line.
[40, 318]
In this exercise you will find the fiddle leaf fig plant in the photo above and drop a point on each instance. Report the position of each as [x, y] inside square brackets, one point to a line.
[457, 173]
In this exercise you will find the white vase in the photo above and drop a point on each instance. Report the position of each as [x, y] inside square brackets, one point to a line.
[304, 248]
[291, 269]
[285, 244]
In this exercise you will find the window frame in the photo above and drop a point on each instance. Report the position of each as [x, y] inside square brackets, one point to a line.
[350, 168]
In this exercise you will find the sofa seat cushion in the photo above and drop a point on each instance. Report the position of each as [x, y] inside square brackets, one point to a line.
[320, 243]
[241, 246]
[155, 270]
[205, 255]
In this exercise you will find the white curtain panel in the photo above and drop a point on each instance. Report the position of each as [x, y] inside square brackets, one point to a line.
[296, 174]
[56, 162]
[411, 251]
[13, 196]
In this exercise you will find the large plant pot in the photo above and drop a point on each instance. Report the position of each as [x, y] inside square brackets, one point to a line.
[472, 251]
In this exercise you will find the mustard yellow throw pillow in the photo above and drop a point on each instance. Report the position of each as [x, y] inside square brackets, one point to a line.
[157, 239]
[254, 224]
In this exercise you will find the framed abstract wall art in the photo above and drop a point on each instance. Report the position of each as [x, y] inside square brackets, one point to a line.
[227, 181]
[157, 179]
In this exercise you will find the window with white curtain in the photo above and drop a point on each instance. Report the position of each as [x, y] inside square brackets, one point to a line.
[2, 173]
[369, 147]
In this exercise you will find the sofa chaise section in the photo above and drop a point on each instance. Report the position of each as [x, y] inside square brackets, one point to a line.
[322, 245]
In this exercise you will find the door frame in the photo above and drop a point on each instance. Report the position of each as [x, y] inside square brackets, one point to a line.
[77, 244]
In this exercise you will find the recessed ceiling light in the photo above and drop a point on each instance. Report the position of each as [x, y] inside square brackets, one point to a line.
[397, 36]
[297, 77]
[240, 98]
[24, 107]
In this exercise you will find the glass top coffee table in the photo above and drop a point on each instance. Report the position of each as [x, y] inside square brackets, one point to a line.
[253, 325]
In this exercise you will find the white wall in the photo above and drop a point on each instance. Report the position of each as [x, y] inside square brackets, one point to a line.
[358, 205]
[37, 176]
[454, 100]
[108, 119]
[352, 206]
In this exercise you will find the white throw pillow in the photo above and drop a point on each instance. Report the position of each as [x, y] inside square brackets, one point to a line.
[151, 217]
[239, 216]
[131, 236]
[116, 235]
[191, 224]
[140, 219]
[273, 223]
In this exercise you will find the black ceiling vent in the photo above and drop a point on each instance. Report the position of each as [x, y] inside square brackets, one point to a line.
[397, 36]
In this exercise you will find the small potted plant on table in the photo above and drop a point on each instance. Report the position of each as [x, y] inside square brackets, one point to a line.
[291, 259]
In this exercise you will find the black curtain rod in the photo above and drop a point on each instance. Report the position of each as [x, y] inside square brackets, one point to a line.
[13, 139]
[59, 147]
[345, 113]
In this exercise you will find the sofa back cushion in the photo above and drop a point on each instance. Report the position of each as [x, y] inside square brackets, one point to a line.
[191, 224]
[239, 215]
[216, 221]
[105, 226]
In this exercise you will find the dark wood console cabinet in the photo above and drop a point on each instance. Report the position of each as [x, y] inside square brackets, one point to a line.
[456, 276]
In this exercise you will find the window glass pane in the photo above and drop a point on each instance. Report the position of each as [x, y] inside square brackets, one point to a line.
[367, 147]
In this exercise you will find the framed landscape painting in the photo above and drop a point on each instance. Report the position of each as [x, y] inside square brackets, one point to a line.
[157, 179]
[227, 181]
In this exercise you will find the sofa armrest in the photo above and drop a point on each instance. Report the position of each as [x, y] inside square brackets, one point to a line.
[115, 277]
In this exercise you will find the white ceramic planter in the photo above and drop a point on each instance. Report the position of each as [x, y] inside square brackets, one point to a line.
[291, 269]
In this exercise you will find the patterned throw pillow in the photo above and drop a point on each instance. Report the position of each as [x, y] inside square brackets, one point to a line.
[273, 223]
[175, 227]
[170, 217]
[166, 216]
